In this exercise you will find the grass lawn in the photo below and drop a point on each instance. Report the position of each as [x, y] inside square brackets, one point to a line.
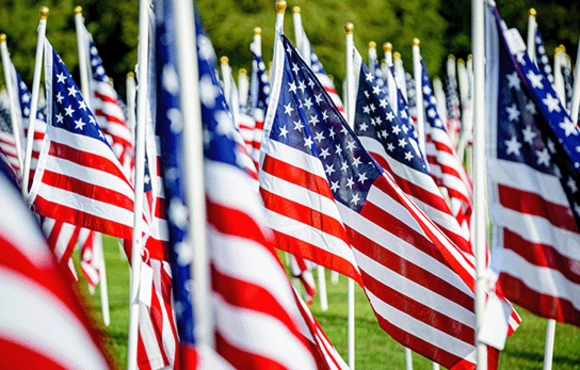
[374, 348]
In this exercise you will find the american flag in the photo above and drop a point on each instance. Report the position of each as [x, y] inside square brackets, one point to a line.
[78, 179]
[320, 185]
[453, 119]
[541, 59]
[445, 166]
[105, 105]
[411, 96]
[43, 323]
[89, 241]
[7, 140]
[301, 269]
[252, 297]
[532, 160]
[260, 89]
[390, 143]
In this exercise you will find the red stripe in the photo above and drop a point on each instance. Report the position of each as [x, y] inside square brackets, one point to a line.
[106, 98]
[156, 314]
[142, 359]
[540, 304]
[296, 176]
[244, 360]
[77, 217]
[440, 146]
[16, 356]
[534, 204]
[542, 255]
[86, 189]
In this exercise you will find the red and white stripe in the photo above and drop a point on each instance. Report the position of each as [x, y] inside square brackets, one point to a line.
[259, 115]
[251, 288]
[302, 270]
[247, 125]
[42, 324]
[88, 242]
[61, 238]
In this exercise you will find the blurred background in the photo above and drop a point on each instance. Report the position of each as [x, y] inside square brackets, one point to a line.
[443, 26]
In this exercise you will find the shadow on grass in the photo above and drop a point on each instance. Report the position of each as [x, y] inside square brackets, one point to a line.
[559, 361]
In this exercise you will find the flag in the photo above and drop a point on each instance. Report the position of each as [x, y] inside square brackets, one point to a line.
[320, 185]
[541, 58]
[252, 297]
[78, 179]
[43, 325]
[532, 166]
[89, 241]
[302, 269]
[260, 90]
[453, 119]
[7, 140]
[390, 143]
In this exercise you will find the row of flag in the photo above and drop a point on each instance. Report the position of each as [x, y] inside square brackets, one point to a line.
[289, 170]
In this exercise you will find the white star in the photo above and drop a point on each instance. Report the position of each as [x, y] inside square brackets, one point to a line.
[409, 155]
[426, 89]
[396, 129]
[72, 91]
[324, 115]
[329, 169]
[79, 124]
[101, 134]
[324, 153]
[390, 116]
[366, 94]
[288, 109]
[308, 103]
[356, 162]
[301, 86]
[367, 109]
[569, 127]
[552, 103]
[363, 126]
[283, 132]
[82, 105]
[362, 177]
[292, 87]
[308, 142]
[378, 120]
[390, 147]
[373, 108]
[92, 120]
[513, 112]
[313, 120]
[572, 185]
[536, 80]
[184, 253]
[551, 146]
[59, 118]
[59, 97]
[318, 98]
[531, 107]
[25, 98]
[355, 199]
[178, 213]
[334, 186]
[295, 68]
[298, 125]
[403, 114]
[350, 145]
[384, 134]
[319, 137]
[514, 81]
[513, 146]
[68, 111]
[402, 142]
[60, 77]
[311, 83]
[349, 183]
[369, 77]
[529, 135]
[543, 157]
[338, 149]
[431, 113]
[344, 166]
[376, 90]
[383, 103]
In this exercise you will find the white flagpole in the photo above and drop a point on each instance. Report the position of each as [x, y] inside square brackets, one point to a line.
[531, 47]
[243, 86]
[400, 73]
[349, 106]
[138, 184]
[297, 21]
[418, 73]
[549, 346]
[441, 98]
[34, 103]
[227, 79]
[558, 78]
[131, 93]
[100, 257]
[83, 65]
[576, 94]
[190, 104]
[479, 220]
[12, 95]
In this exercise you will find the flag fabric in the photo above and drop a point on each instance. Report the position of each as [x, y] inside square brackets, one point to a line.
[444, 163]
[107, 109]
[411, 96]
[319, 184]
[7, 140]
[541, 59]
[301, 269]
[89, 241]
[532, 166]
[78, 179]
[252, 297]
[453, 119]
[61, 238]
[43, 325]
[260, 89]
[389, 142]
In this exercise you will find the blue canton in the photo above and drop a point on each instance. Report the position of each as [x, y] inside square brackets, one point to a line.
[430, 102]
[97, 68]
[307, 120]
[25, 99]
[542, 60]
[260, 94]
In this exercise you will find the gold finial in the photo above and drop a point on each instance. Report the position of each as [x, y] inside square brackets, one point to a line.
[372, 45]
[470, 57]
[78, 9]
[281, 6]
[460, 61]
[111, 81]
[296, 9]
[451, 57]
[257, 31]
[387, 47]
[532, 12]
[2, 38]
[563, 48]
[557, 50]
[349, 28]
[44, 12]
[224, 60]
[243, 71]
[270, 65]
[397, 55]
[416, 42]
[131, 75]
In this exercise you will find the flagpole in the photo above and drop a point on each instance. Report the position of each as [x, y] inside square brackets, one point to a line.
[131, 89]
[576, 95]
[243, 86]
[531, 47]
[349, 107]
[400, 73]
[297, 21]
[12, 94]
[34, 103]
[418, 72]
[549, 346]
[479, 230]
[558, 79]
[227, 79]
[79, 25]
[137, 246]
[104, 288]
[192, 137]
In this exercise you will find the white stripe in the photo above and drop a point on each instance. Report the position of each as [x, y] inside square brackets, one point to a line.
[150, 342]
[64, 237]
[294, 157]
[248, 330]
[542, 279]
[35, 318]
[167, 336]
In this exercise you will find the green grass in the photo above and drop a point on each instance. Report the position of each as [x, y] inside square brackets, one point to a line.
[373, 347]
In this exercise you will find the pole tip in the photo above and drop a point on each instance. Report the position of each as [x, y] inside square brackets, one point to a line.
[349, 28]
[532, 12]
[243, 71]
[281, 6]
[416, 42]
[224, 60]
[2, 38]
[44, 12]
[460, 62]
[563, 48]
[470, 57]
[397, 55]
[131, 75]
[296, 9]
[451, 57]
[78, 9]
[257, 31]
[372, 45]
[387, 47]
